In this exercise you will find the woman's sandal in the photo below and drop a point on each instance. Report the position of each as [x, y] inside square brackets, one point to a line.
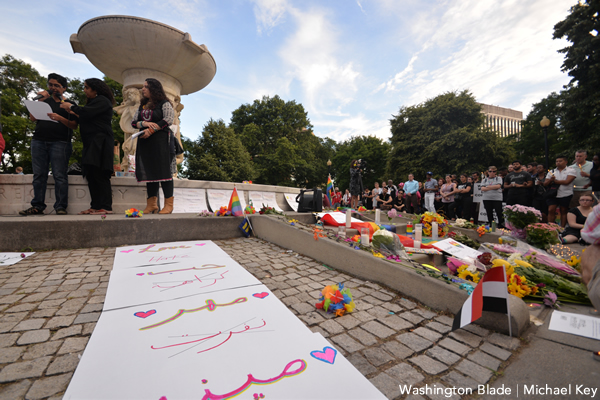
[85, 212]
[102, 211]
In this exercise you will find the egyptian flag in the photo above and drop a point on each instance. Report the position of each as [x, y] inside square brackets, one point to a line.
[489, 295]
[235, 207]
[329, 188]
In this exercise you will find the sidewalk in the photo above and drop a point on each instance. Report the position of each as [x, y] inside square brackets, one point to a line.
[50, 302]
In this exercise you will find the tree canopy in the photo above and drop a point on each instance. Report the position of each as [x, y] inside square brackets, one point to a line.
[445, 134]
[371, 149]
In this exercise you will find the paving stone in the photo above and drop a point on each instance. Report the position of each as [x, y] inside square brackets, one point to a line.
[477, 372]
[60, 322]
[51, 303]
[443, 355]
[476, 329]
[386, 385]
[364, 316]
[395, 322]
[72, 345]
[10, 354]
[332, 327]
[85, 318]
[347, 343]
[428, 365]
[424, 313]
[436, 326]
[312, 318]
[45, 313]
[378, 329]
[25, 369]
[392, 307]
[485, 360]
[443, 319]
[398, 350]
[97, 299]
[504, 341]
[361, 364]
[348, 321]
[15, 390]
[377, 356]
[41, 350]
[382, 296]
[414, 341]
[46, 387]
[405, 374]
[11, 299]
[34, 298]
[318, 329]
[303, 308]
[371, 300]
[496, 351]
[363, 336]
[409, 305]
[428, 334]
[409, 316]
[63, 364]
[66, 332]
[88, 328]
[455, 379]
[466, 337]
[454, 346]
[7, 326]
[22, 307]
[38, 336]
[14, 317]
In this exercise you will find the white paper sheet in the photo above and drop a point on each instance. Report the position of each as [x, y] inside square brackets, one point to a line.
[39, 110]
[187, 200]
[269, 199]
[291, 200]
[456, 249]
[12, 258]
[218, 198]
[576, 324]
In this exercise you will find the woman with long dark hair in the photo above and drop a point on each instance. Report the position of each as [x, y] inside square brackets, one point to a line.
[154, 162]
[95, 119]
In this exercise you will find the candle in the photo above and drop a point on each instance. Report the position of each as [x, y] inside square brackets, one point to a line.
[417, 244]
[418, 234]
[364, 236]
[348, 219]
[377, 216]
[434, 231]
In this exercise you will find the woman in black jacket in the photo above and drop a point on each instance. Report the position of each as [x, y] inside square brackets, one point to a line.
[95, 119]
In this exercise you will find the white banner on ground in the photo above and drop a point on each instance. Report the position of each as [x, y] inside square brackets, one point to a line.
[576, 324]
[269, 199]
[187, 200]
[12, 258]
[291, 200]
[218, 198]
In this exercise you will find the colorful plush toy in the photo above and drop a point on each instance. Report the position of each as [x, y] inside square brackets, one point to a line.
[133, 213]
[335, 299]
[221, 212]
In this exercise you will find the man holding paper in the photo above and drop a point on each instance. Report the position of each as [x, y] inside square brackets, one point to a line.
[51, 145]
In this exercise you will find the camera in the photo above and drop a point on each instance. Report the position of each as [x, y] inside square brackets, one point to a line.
[361, 164]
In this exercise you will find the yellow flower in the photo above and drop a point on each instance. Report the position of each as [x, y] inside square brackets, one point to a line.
[378, 255]
[464, 273]
[522, 263]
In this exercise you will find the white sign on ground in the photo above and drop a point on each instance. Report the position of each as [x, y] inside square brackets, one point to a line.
[187, 200]
[269, 199]
[218, 198]
[456, 249]
[576, 324]
[12, 258]
[291, 200]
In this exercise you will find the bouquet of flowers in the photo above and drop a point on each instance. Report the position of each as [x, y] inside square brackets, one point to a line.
[429, 217]
[520, 216]
[542, 235]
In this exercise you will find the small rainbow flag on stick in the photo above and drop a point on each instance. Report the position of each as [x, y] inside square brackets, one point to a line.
[235, 207]
[329, 188]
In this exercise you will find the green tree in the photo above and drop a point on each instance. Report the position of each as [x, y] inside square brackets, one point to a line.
[18, 81]
[217, 156]
[374, 151]
[530, 145]
[278, 136]
[445, 134]
[581, 106]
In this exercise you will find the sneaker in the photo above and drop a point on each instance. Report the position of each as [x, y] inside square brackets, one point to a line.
[61, 211]
[32, 211]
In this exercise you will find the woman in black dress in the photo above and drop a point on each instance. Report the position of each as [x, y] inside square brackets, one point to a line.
[154, 162]
[95, 120]
[576, 219]
[355, 184]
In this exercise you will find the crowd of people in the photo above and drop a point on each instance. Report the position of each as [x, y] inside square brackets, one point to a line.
[568, 190]
[51, 146]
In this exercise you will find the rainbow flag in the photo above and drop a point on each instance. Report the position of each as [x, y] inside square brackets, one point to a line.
[235, 207]
[329, 188]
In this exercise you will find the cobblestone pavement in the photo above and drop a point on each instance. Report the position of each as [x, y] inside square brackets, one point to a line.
[50, 302]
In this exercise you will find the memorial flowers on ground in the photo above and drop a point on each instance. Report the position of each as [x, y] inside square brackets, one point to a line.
[427, 219]
[542, 235]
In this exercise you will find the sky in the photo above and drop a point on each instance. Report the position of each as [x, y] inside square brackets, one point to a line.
[351, 63]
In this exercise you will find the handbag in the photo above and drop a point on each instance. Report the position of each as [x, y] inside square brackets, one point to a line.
[551, 192]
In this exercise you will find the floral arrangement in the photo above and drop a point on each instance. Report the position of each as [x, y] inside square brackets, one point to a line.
[463, 223]
[221, 212]
[464, 239]
[133, 213]
[292, 222]
[335, 299]
[519, 216]
[249, 209]
[205, 213]
[483, 229]
[542, 235]
[427, 218]
[466, 273]
[268, 210]
[250, 182]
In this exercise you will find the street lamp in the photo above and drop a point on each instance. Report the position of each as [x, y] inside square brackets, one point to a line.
[329, 167]
[545, 123]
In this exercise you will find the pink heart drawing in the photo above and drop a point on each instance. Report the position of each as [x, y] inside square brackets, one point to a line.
[200, 244]
[142, 274]
[141, 314]
[126, 251]
[261, 295]
[327, 355]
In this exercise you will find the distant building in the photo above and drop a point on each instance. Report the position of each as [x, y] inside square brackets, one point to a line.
[503, 121]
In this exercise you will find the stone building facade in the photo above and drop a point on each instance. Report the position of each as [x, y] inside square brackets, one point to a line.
[503, 121]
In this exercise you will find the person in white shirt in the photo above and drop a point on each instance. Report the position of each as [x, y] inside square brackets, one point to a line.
[375, 192]
[562, 176]
[581, 184]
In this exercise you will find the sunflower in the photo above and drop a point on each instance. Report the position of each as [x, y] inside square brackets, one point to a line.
[464, 273]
